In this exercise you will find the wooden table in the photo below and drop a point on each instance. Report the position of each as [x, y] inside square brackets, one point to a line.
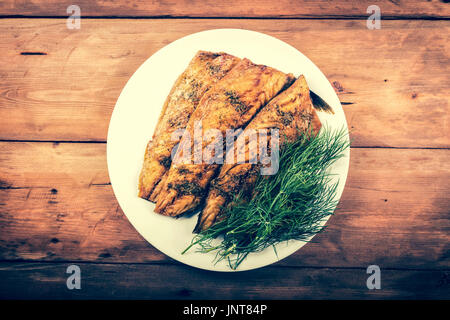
[58, 90]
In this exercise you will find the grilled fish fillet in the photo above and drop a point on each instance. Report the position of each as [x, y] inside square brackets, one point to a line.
[291, 112]
[204, 70]
[318, 103]
[230, 104]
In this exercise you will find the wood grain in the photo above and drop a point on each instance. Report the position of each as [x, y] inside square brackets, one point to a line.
[56, 204]
[389, 85]
[142, 281]
[233, 8]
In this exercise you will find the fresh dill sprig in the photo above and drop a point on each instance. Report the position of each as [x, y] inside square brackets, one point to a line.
[287, 206]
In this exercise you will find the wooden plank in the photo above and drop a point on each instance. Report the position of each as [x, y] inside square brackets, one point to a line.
[143, 281]
[56, 204]
[62, 197]
[393, 89]
[233, 8]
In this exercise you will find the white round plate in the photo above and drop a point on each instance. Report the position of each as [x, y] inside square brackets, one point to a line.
[136, 113]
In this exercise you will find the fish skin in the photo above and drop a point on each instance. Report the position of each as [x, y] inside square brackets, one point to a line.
[231, 104]
[156, 191]
[204, 70]
[292, 112]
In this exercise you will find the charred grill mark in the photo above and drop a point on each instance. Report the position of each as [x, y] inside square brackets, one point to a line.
[165, 162]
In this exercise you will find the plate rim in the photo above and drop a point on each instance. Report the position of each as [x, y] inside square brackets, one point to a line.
[300, 244]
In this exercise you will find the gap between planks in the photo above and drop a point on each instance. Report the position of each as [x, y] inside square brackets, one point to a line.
[104, 142]
[179, 264]
[305, 17]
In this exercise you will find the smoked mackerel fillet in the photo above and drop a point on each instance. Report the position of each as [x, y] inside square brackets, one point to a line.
[204, 70]
[229, 105]
[291, 112]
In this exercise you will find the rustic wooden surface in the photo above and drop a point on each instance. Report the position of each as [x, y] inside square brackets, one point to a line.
[58, 89]
[413, 9]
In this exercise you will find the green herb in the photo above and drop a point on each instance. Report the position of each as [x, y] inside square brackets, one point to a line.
[289, 205]
[213, 69]
[236, 102]
[192, 94]
[186, 188]
[286, 117]
[178, 122]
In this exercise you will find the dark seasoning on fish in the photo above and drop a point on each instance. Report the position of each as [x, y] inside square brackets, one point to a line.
[225, 92]
[230, 104]
[178, 107]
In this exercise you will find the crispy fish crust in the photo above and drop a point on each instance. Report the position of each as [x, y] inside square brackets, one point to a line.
[204, 70]
[291, 112]
[230, 104]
